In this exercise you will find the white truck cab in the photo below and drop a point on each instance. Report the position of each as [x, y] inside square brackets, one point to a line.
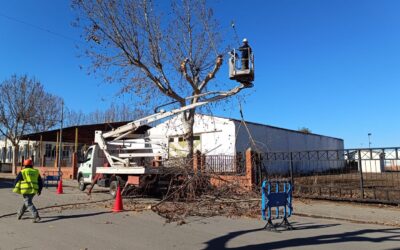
[137, 160]
[93, 158]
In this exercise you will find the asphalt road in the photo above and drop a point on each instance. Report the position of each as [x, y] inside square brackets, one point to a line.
[95, 227]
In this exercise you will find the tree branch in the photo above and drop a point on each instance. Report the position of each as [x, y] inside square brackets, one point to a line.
[186, 75]
[211, 74]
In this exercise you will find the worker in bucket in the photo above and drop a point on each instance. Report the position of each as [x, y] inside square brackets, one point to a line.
[246, 51]
[28, 183]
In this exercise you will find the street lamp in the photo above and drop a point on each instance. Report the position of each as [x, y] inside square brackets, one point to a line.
[369, 140]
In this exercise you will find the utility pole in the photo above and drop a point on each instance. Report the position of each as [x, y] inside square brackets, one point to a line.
[60, 143]
[369, 140]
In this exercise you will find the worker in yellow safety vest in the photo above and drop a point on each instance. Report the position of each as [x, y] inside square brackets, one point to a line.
[28, 183]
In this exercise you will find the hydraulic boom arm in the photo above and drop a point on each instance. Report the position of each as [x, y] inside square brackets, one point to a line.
[124, 130]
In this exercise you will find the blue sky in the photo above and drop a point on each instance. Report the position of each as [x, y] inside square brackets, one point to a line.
[331, 66]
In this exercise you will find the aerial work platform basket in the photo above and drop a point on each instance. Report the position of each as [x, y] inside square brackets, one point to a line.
[276, 194]
[241, 65]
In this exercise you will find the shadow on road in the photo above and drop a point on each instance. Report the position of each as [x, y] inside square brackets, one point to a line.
[308, 226]
[46, 219]
[391, 234]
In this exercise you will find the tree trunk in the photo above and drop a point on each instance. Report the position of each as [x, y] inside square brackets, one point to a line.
[15, 159]
[188, 122]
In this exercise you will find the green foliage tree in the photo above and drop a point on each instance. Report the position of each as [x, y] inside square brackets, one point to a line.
[305, 130]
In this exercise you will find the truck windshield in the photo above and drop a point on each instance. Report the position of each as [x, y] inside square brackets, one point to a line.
[89, 154]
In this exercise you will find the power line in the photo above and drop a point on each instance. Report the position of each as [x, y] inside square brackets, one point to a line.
[39, 28]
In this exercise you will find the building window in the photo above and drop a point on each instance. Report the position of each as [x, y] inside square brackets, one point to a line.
[3, 154]
[65, 151]
[25, 152]
[20, 154]
[9, 154]
[48, 151]
[53, 152]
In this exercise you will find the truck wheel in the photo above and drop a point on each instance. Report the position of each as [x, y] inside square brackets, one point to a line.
[82, 185]
[113, 188]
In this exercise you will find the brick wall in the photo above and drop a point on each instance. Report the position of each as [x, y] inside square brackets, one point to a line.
[246, 181]
[67, 172]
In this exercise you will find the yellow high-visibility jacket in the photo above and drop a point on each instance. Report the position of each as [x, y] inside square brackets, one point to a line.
[29, 184]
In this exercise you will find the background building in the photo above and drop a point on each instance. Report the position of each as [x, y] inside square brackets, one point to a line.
[222, 140]
[226, 136]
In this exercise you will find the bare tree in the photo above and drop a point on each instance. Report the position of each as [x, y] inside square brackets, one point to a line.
[47, 114]
[123, 112]
[74, 118]
[156, 55]
[114, 113]
[25, 107]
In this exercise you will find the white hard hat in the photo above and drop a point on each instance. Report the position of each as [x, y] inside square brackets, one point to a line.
[245, 40]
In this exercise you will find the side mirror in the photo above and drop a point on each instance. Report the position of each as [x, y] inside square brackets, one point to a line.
[81, 160]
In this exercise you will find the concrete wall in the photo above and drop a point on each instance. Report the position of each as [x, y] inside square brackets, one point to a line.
[272, 139]
[372, 161]
[268, 138]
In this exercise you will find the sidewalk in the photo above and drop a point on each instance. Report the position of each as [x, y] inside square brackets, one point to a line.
[353, 212]
[7, 176]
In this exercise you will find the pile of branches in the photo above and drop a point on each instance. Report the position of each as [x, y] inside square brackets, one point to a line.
[192, 194]
[207, 206]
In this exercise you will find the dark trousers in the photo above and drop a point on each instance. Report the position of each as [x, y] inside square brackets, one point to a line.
[28, 204]
[245, 63]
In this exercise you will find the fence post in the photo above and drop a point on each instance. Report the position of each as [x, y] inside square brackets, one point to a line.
[202, 161]
[249, 167]
[291, 169]
[361, 174]
[197, 161]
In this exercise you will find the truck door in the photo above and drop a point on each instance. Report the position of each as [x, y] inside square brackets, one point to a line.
[98, 158]
[87, 165]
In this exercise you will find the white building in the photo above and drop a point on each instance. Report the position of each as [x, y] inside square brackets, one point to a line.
[217, 136]
[6, 150]
[225, 136]
[31, 149]
[213, 136]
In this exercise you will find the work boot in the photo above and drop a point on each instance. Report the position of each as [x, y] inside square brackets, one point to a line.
[36, 219]
[21, 212]
[19, 215]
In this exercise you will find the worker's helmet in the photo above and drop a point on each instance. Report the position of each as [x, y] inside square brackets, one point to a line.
[245, 40]
[28, 162]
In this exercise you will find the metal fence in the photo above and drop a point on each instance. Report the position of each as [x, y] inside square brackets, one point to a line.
[225, 164]
[371, 174]
[217, 164]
